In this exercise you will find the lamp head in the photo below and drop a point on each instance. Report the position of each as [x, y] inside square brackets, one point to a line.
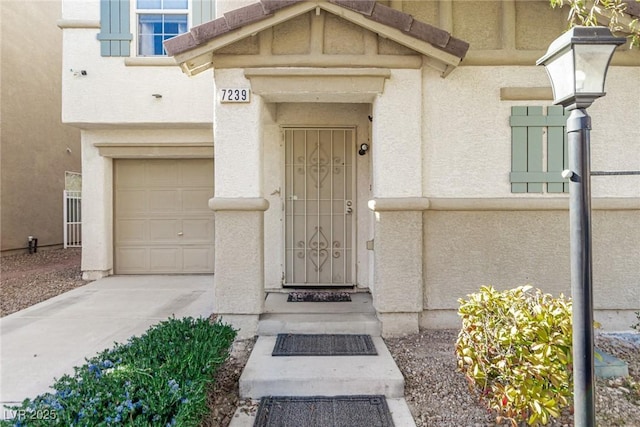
[577, 64]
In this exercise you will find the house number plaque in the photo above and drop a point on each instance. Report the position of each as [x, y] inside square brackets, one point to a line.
[235, 95]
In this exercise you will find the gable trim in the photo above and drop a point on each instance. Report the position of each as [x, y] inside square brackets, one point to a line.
[194, 50]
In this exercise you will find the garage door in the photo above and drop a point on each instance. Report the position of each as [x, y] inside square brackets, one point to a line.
[162, 220]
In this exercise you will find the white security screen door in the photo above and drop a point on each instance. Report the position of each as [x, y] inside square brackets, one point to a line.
[319, 206]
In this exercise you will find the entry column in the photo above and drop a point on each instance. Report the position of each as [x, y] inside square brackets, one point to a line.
[398, 203]
[239, 236]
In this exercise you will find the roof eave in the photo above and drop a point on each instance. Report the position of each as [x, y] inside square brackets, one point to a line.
[194, 53]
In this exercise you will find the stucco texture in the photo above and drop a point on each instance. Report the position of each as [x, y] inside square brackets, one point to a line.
[37, 148]
[113, 93]
[467, 137]
[238, 141]
[466, 250]
[238, 283]
[398, 262]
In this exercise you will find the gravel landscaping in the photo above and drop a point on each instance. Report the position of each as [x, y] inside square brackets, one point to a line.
[436, 393]
[27, 279]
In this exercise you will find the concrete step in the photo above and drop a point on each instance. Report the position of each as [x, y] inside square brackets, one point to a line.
[398, 408]
[355, 317]
[345, 323]
[265, 375]
[276, 302]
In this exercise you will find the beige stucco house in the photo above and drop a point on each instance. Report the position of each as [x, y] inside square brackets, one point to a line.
[404, 148]
[36, 148]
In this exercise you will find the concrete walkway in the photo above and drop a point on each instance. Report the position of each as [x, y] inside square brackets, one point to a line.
[266, 375]
[48, 339]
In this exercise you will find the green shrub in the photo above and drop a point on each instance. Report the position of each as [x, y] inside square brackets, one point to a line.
[515, 351]
[157, 379]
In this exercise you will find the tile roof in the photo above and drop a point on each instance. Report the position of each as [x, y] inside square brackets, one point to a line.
[370, 9]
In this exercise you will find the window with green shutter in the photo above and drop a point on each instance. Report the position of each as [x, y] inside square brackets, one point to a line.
[115, 33]
[538, 150]
[154, 21]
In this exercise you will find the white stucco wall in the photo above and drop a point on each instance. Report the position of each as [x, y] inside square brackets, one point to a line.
[112, 92]
[397, 139]
[97, 212]
[615, 138]
[467, 154]
[238, 135]
[467, 137]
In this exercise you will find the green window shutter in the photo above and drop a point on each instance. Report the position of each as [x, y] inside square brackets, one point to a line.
[534, 149]
[115, 34]
[203, 11]
[518, 150]
[528, 126]
[556, 150]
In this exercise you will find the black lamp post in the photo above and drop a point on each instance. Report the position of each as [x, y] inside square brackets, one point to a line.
[577, 63]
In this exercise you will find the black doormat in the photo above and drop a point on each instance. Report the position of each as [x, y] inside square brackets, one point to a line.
[324, 345]
[319, 297]
[321, 411]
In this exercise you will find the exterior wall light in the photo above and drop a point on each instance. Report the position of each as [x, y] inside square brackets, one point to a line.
[577, 64]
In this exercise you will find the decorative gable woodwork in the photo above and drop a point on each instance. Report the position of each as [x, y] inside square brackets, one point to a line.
[335, 33]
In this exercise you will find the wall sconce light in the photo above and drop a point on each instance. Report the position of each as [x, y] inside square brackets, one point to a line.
[363, 149]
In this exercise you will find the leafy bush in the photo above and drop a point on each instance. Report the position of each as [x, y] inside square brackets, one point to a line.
[157, 379]
[515, 350]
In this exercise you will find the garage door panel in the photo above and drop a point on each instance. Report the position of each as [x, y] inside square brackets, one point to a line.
[197, 230]
[131, 230]
[130, 175]
[198, 259]
[199, 173]
[131, 202]
[165, 260]
[163, 173]
[162, 220]
[132, 260]
[164, 201]
[196, 200]
[163, 230]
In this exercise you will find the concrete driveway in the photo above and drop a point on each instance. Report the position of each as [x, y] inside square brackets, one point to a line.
[47, 340]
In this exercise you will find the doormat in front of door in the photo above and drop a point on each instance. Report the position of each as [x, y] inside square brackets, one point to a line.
[321, 411]
[319, 297]
[324, 345]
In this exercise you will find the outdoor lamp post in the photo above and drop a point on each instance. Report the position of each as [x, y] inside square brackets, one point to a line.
[577, 63]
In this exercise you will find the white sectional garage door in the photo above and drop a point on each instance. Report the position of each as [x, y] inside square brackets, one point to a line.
[162, 220]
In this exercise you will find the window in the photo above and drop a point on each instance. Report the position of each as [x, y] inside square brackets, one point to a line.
[157, 21]
[538, 150]
[154, 20]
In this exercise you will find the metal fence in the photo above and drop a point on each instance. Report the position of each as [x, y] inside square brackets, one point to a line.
[72, 216]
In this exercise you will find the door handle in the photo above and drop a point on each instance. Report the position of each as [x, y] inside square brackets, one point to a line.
[348, 209]
[180, 233]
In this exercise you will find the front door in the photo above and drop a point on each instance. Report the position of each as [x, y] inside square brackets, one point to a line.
[319, 206]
